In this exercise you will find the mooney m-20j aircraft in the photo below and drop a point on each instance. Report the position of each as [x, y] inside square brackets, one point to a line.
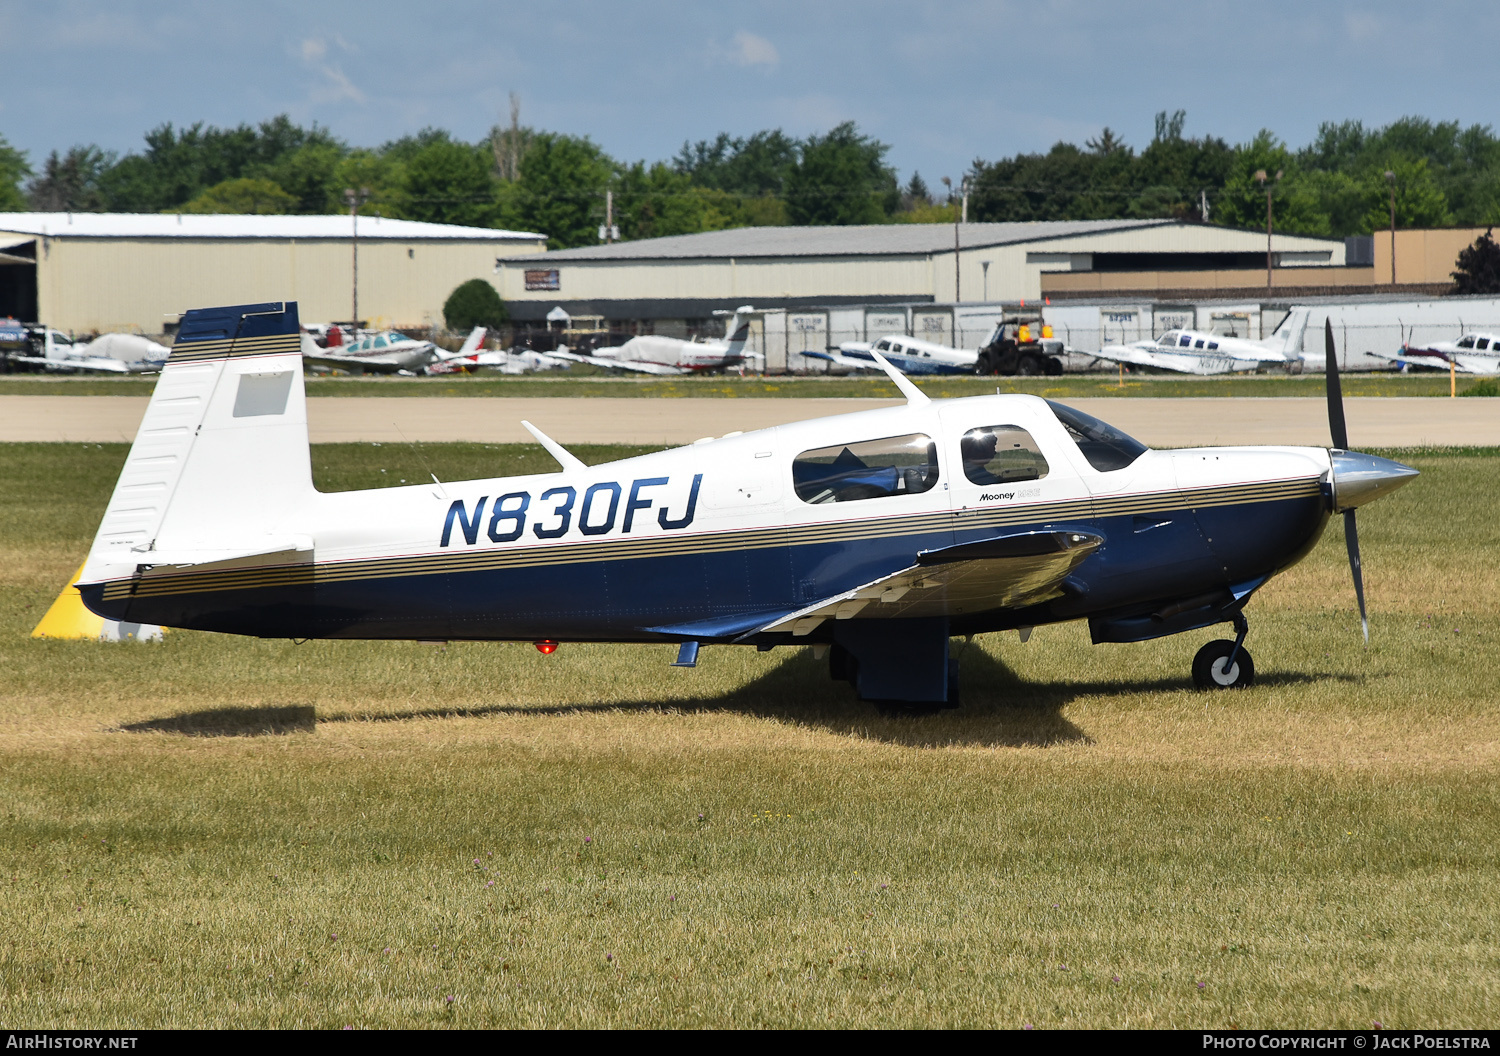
[875, 536]
[655, 354]
[1196, 352]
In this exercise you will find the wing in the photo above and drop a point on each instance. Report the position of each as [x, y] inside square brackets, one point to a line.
[1003, 572]
[617, 364]
[1212, 363]
[839, 359]
[1477, 364]
[106, 366]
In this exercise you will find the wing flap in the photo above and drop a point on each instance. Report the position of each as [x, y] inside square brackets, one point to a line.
[1009, 571]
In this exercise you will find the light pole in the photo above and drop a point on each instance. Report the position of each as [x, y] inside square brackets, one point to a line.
[354, 199]
[1269, 183]
[1390, 178]
[960, 215]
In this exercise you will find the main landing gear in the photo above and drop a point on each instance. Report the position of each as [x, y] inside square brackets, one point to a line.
[1223, 664]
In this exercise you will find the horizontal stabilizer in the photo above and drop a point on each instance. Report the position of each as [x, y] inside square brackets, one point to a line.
[299, 544]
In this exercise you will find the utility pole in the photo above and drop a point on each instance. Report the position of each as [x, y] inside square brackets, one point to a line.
[960, 215]
[1269, 183]
[354, 199]
[1390, 178]
[608, 232]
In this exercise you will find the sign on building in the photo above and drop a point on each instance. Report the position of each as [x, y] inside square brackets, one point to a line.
[934, 326]
[543, 279]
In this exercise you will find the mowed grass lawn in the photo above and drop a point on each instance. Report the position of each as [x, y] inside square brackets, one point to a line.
[223, 832]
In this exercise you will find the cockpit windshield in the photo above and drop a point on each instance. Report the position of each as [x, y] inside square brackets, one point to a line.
[1106, 448]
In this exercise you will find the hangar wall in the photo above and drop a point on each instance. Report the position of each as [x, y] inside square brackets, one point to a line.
[111, 284]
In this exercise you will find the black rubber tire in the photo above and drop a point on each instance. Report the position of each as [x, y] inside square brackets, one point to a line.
[955, 696]
[985, 364]
[1053, 367]
[1007, 360]
[1031, 366]
[1208, 665]
[842, 665]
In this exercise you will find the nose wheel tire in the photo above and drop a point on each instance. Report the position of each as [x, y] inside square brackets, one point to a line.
[1212, 668]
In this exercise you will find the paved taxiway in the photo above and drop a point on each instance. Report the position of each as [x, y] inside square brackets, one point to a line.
[1168, 422]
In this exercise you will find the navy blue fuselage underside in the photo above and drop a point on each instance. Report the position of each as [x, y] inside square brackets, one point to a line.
[1172, 554]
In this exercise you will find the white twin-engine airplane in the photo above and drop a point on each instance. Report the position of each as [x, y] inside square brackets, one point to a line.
[387, 352]
[654, 354]
[875, 537]
[1471, 353]
[1195, 352]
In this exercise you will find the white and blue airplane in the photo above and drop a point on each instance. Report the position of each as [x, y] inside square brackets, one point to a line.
[910, 355]
[874, 537]
[1197, 352]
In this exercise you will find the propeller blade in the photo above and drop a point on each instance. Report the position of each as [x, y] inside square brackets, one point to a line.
[1351, 543]
[1336, 425]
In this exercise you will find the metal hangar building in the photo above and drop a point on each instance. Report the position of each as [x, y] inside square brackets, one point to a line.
[83, 272]
[673, 285]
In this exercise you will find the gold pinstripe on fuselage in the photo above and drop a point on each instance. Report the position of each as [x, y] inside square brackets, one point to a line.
[328, 572]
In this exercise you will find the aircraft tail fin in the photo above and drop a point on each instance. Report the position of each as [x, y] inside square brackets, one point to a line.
[737, 333]
[1287, 337]
[469, 347]
[221, 458]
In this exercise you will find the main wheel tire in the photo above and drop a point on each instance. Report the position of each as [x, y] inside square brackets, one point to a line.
[1007, 361]
[842, 664]
[1054, 367]
[1209, 671]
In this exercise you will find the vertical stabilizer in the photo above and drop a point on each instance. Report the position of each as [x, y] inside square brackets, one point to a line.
[1287, 337]
[221, 459]
[737, 333]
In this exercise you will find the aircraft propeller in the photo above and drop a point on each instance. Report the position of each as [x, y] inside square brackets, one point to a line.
[1339, 431]
[1355, 478]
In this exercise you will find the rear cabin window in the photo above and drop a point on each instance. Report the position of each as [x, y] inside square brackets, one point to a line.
[1001, 454]
[1106, 448]
[1185, 340]
[870, 469]
[1483, 342]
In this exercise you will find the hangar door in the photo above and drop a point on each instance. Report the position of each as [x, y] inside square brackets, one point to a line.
[18, 282]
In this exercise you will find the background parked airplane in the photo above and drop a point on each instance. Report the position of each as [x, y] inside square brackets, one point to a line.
[386, 352]
[910, 355]
[106, 354]
[1472, 354]
[654, 354]
[1196, 352]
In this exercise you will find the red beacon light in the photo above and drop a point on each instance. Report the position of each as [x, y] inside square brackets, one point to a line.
[546, 646]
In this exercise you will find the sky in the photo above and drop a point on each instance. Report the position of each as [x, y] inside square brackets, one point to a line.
[941, 83]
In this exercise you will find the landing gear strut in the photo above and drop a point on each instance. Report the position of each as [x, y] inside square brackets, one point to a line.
[1224, 664]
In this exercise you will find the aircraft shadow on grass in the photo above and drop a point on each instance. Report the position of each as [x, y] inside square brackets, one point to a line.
[1000, 709]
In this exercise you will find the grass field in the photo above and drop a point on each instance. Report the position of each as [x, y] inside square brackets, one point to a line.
[588, 381]
[222, 832]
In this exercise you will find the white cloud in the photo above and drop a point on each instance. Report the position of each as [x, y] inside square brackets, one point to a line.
[336, 86]
[752, 50]
[313, 49]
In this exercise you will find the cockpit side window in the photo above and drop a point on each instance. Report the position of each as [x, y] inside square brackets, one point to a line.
[1483, 342]
[1001, 454]
[870, 469]
[1106, 448]
[1168, 339]
[1185, 340]
[1466, 341]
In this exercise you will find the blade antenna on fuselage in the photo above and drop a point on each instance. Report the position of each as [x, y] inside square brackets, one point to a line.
[565, 458]
[914, 396]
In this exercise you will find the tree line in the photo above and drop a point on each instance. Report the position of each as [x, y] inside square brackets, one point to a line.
[528, 179]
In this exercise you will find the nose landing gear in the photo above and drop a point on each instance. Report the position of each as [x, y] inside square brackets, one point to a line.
[1224, 664]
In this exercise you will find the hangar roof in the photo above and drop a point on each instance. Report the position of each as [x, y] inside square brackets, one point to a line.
[852, 241]
[212, 225]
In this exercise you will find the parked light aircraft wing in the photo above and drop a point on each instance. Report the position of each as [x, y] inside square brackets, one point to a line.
[618, 364]
[1186, 364]
[94, 363]
[840, 359]
[1005, 571]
